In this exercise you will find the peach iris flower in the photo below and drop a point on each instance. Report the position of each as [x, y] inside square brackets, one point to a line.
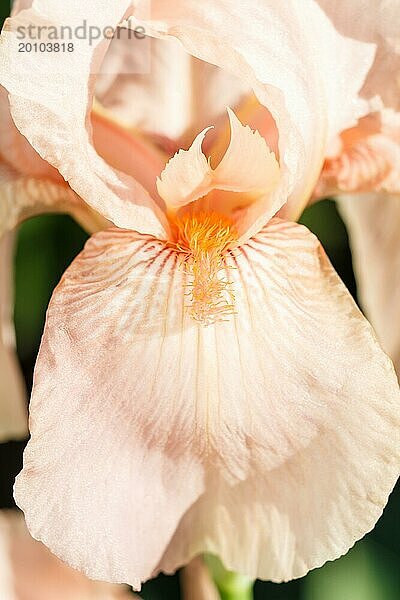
[28, 571]
[205, 382]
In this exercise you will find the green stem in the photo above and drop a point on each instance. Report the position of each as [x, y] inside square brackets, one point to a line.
[231, 586]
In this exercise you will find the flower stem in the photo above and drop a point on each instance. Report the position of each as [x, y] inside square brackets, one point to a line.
[231, 585]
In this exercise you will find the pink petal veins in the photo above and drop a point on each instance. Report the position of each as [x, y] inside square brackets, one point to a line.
[204, 427]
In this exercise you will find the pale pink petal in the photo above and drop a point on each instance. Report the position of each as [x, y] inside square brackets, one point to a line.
[16, 151]
[28, 186]
[373, 222]
[154, 97]
[50, 101]
[13, 401]
[298, 319]
[176, 95]
[197, 583]
[258, 117]
[187, 176]
[213, 90]
[139, 474]
[125, 432]
[370, 165]
[365, 158]
[127, 152]
[299, 65]
[250, 167]
[375, 22]
[247, 167]
[30, 572]
[249, 112]
[22, 197]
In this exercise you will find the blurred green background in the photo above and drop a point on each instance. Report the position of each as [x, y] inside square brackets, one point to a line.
[46, 245]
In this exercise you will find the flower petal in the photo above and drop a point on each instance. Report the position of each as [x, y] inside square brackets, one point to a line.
[197, 583]
[13, 401]
[279, 525]
[50, 103]
[247, 167]
[22, 197]
[19, 5]
[144, 475]
[373, 222]
[156, 99]
[127, 153]
[16, 151]
[187, 176]
[301, 68]
[177, 97]
[280, 522]
[160, 401]
[375, 22]
[365, 158]
[250, 112]
[28, 570]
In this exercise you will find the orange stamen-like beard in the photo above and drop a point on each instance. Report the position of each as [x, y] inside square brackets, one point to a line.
[203, 238]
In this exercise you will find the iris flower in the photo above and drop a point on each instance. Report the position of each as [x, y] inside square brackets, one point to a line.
[205, 382]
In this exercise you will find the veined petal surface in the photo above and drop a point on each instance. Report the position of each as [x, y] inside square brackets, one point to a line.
[22, 197]
[143, 419]
[365, 158]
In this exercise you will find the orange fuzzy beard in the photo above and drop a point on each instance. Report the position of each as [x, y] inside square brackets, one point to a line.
[203, 238]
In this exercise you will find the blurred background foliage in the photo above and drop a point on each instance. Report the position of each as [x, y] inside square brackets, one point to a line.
[46, 245]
